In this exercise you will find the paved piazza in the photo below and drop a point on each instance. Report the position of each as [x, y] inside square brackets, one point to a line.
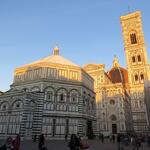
[62, 145]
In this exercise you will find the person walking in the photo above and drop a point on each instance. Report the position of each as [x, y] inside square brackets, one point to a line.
[135, 143]
[118, 141]
[34, 138]
[42, 143]
[8, 145]
[113, 138]
[72, 143]
[66, 137]
[16, 142]
[102, 138]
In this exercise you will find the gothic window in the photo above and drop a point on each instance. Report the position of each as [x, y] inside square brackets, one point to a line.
[142, 77]
[136, 104]
[112, 102]
[92, 104]
[133, 38]
[133, 59]
[139, 58]
[141, 103]
[136, 77]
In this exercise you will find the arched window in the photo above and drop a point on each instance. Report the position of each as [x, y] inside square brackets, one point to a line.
[139, 58]
[49, 96]
[74, 97]
[61, 97]
[136, 77]
[4, 107]
[18, 105]
[133, 38]
[133, 59]
[142, 77]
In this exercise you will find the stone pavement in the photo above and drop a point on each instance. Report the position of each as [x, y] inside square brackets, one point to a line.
[62, 145]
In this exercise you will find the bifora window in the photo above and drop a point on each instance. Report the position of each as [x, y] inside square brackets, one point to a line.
[133, 38]
[139, 58]
[49, 96]
[142, 77]
[61, 97]
[136, 77]
[133, 59]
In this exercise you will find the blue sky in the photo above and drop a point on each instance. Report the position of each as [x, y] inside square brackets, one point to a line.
[87, 31]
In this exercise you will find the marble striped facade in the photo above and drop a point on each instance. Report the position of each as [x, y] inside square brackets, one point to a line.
[52, 109]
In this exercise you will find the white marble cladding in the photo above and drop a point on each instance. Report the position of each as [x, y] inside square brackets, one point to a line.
[77, 75]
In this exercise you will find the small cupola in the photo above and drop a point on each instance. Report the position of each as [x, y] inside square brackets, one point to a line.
[56, 50]
[116, 62]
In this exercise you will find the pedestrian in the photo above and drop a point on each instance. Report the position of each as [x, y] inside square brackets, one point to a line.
[84, 145]
[135, 143]
[42, 143]
[118, 141]
[16, 142]
[138, 143]
[34, 138]
[8, 145]
[66, 137]
[78, 141]
[113, 138]
[72, 142]
[110, 138]
[102, 138]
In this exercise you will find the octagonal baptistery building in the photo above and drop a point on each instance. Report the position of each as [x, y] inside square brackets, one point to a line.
[52, 96]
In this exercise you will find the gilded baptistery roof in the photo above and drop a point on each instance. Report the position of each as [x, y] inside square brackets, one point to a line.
[55, 59]
[54, 67]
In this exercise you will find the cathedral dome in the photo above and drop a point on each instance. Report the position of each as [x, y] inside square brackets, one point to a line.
[118, 74]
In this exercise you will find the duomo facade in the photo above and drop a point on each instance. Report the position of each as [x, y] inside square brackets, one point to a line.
[56, 97]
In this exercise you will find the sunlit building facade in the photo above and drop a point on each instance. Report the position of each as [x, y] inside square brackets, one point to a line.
[120, 91]
[55, 97]
[52, 96]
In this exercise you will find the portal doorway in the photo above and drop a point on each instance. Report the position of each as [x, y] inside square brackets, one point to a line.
[114, 128]
[89, 131]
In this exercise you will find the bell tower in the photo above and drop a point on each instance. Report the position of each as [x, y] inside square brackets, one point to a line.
[135, 49]
[137, 66]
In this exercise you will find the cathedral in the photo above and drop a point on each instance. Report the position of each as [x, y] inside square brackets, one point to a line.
[56, 97]
[120, 91]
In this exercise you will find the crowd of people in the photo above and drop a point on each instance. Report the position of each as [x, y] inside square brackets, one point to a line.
[78, 143]
[123, 140]
[11, 144]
